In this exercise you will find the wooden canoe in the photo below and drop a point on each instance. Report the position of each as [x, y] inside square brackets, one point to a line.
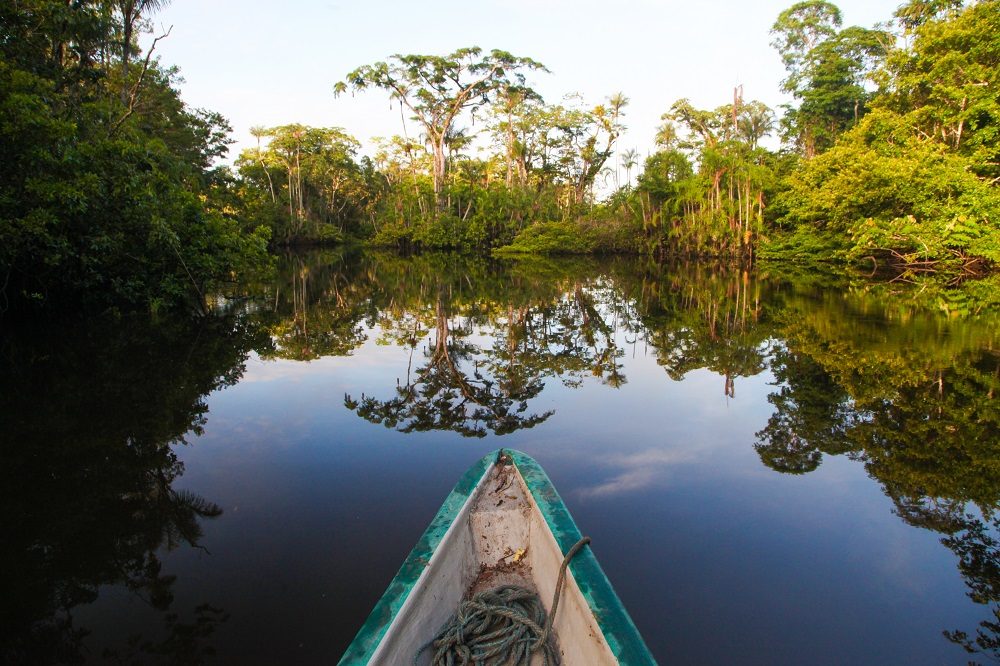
[503, 523]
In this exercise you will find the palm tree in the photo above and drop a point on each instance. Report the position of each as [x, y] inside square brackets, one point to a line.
[630, 159]
[758, 121]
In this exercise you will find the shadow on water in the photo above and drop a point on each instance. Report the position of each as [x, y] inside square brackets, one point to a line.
[903, 378]
[92, 415]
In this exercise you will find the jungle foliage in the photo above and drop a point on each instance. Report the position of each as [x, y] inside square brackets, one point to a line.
[888, 156]
[915, 181]
[108, 193]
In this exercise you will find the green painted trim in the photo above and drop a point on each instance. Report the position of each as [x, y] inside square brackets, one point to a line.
[619, 631]
[372, 631]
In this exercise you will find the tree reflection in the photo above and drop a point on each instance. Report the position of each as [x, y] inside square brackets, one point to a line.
[93, 415]
[544, 320]
[444, 396]
[317, 308]
[811, 415]
[489, 344]
[918, 409]
[707, 316]
[889, 382]
[87, 469]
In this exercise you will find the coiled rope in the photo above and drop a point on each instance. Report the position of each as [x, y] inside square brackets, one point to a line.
[504, 626]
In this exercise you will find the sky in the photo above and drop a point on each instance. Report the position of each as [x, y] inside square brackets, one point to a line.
[272, 63]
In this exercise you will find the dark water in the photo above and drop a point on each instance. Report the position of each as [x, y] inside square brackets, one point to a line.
[775, 467]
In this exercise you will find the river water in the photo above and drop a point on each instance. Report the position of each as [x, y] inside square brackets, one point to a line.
[776, 466]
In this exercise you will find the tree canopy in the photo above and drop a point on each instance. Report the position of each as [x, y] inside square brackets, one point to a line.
[438, 89]
[112, 193]
[108, 186]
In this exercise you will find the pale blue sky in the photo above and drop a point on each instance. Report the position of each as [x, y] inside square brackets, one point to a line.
[270, 63]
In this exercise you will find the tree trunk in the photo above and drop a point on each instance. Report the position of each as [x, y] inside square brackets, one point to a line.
[270, 183]
[440, 162]
[128, 23]
[510, 149]
[291, 206]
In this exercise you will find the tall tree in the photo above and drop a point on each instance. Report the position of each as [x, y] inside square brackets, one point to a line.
[323, 181]
[514, 117]
[104, 201]
[914, 183]
[438, 89]
[800, 29]
[720, 209]
[827, 70]
[947, 81]
[595, 141]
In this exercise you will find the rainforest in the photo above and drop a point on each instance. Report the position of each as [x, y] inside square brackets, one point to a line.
[114, 195]
[756, 349]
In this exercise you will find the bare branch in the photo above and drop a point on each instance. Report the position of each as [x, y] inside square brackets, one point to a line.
[133, 96]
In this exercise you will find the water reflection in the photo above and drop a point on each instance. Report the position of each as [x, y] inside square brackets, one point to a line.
[317, 306]
[704, 316]
[91, 417]
[901, 378]
[458, 387]
[488, 355]
[917, 408]
[483, 339]
[896, 377]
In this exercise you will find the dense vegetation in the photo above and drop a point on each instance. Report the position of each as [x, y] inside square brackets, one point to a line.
[888, 155]
[110, 193]
[112, 197]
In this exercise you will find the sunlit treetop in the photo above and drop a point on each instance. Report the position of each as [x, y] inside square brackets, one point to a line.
[437, 89]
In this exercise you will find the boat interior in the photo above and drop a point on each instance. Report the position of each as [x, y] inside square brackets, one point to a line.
[498, 538]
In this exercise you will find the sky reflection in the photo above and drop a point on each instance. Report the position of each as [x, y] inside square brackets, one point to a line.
[693, 467]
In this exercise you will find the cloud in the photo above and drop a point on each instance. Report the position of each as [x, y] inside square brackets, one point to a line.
[638, 470]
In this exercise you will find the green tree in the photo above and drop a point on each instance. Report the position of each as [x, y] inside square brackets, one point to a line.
[827, 71]
[438, 89]
[719, 209]
[946, 82]
[105, 202]
[914, 182]
[323, 189]
[885, 193]
[800, 29]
